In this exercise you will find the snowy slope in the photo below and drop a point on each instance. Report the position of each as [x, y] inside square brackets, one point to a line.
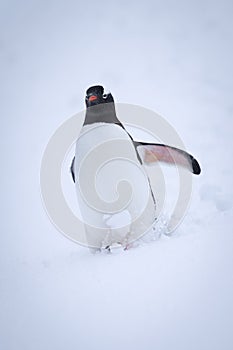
[172, 57]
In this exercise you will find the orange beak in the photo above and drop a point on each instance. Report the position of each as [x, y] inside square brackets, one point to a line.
[92, 98]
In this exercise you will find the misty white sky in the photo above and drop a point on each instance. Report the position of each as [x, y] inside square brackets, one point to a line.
[174, 57]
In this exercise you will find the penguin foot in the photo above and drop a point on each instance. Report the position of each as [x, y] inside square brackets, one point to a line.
[128, 246]
[108, 249]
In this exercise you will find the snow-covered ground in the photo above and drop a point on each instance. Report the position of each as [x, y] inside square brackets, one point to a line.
[174, 57]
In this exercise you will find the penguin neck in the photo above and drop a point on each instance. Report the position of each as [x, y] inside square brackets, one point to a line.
[102, 113]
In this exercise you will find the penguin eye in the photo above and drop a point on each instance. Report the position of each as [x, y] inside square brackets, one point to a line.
[105, 95]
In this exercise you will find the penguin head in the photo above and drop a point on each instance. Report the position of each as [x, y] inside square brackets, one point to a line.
[95, 95]
[100, 106]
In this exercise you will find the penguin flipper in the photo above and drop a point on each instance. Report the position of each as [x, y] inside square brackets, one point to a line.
[72, 169]
[155, 152]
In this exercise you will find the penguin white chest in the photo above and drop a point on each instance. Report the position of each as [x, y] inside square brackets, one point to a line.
[112, 187]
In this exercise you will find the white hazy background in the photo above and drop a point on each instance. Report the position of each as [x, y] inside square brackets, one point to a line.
[174, 57]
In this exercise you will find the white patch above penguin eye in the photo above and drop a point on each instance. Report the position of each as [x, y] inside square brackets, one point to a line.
[106, 93]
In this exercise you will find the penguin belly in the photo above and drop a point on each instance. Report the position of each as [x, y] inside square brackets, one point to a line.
[112, 187]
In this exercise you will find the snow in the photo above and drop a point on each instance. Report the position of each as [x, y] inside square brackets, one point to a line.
[170, 293]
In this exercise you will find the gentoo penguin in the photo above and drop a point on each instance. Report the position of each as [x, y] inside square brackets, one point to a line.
[104, 139]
